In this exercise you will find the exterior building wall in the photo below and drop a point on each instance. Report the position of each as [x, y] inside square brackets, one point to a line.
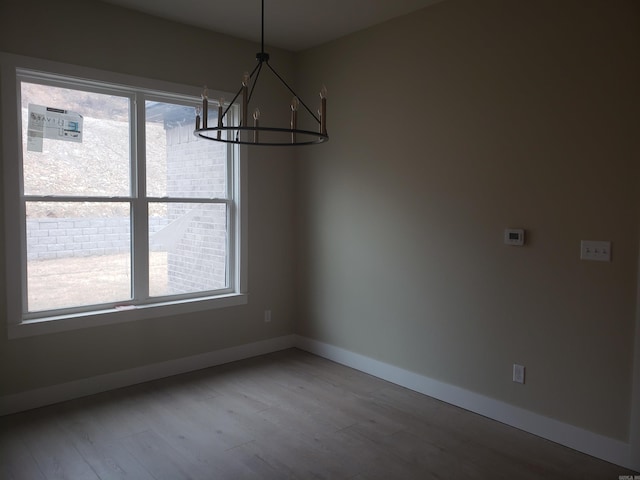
[196, 168]
[53, 238]
[194, 235]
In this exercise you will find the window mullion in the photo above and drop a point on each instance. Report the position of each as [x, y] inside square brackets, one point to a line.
[140, 208]
[177, 251]
[231, 216]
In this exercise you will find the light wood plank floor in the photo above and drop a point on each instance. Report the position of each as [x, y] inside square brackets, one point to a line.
[285, 415]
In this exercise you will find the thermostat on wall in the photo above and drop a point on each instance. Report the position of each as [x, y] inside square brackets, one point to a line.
[514, 236]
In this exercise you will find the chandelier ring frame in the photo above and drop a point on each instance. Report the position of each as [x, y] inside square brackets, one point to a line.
[313, 137]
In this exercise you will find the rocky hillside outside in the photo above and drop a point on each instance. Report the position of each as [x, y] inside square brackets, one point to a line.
[99, 166]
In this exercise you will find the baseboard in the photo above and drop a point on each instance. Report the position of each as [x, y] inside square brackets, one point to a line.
[605, 448]
[89, 386]
[599, 446]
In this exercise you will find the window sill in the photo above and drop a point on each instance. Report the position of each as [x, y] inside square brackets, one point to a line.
[62, 323]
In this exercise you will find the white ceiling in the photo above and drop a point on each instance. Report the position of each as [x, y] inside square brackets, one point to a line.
[289, 24]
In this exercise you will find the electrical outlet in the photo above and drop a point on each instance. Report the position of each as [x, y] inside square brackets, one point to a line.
[267, 316]
[518, 373]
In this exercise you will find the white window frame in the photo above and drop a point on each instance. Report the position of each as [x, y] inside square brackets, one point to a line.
[21, 324]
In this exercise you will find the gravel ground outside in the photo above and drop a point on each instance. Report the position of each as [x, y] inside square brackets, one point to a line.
[63, 282]
[97, 166]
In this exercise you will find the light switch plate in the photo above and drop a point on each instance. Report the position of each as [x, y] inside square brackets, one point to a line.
[595, 250]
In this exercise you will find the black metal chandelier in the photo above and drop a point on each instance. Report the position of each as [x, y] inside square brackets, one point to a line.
[256, 134]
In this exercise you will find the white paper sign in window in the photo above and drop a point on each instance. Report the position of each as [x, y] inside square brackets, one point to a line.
[53, 123]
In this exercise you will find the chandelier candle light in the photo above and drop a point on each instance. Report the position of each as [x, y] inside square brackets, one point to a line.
[262, 135]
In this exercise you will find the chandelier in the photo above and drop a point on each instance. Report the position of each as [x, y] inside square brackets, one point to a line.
[249, 130]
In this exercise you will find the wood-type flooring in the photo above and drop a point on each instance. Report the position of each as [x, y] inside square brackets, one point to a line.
[287, 415]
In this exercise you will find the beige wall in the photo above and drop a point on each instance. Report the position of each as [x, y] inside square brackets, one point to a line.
[447, 126]
[102, 36]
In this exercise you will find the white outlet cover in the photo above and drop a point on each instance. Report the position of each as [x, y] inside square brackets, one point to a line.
[518, 373]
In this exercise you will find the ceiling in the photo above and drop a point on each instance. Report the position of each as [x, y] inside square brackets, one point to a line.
[293, 25]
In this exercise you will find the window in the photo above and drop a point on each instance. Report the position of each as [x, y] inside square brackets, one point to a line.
[122, 213]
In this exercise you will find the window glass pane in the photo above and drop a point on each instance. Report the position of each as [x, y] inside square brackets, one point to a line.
[179, 164]
[77, 188]
[187, 248]
[77, 254]
[74, 142]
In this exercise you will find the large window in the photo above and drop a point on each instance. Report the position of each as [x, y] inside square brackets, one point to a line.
[114, 205]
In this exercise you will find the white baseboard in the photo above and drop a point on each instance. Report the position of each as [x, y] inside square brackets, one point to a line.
[110, 381]
[605, 448]
[611, 450]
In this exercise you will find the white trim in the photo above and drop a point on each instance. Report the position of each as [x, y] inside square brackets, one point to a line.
[11, 170]
[241, 196]
[82, 73]
[605, 448]
[111, 316]
[634, 427]
[110, 381]
[23, 325]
